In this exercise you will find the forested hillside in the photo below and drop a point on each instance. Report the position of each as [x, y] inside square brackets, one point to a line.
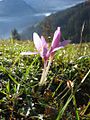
[70, 20]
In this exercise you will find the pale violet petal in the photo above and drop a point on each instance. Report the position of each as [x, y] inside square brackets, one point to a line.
[44, 43]
[55, 49]
[28, 53]
[37, 41]
[43, 52]
[65, 42]
[56, 38]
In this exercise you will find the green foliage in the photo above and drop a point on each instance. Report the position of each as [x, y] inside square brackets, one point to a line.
[22, 98]
[15, 35]
[70, 20]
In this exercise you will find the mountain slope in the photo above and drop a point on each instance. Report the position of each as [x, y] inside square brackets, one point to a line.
[70, 20]
[51, 5]
[15, 14]
[14, 8]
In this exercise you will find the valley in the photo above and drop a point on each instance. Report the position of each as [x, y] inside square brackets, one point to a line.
[21, 14]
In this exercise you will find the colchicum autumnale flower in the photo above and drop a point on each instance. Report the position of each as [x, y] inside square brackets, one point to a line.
[42, 46]
[42, 49]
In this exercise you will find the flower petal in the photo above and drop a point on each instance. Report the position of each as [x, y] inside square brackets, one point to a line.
[56, 38]
[37, 41]
[28, 53]
[44, 43]
[44, 48]
[64, 43]
[55, 49]
[43, 52]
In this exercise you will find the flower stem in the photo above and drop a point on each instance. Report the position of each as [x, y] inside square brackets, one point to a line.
[44, 73]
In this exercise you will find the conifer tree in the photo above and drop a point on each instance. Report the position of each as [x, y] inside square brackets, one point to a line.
[15, 35]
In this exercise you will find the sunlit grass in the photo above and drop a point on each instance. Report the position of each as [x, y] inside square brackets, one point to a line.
[22, 98]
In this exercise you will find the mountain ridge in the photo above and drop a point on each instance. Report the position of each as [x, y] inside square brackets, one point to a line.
[51, 6]
[70, 21]
[19, 14]
[14, 14]
[15, 8]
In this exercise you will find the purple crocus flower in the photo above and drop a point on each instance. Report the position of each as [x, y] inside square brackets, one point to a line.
[56, 44]
[42, 46]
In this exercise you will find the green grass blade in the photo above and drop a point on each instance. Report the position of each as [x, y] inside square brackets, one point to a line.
[61, 112]
[13, 79]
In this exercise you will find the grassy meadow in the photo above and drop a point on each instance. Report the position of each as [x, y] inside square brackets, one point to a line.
[65, 96]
